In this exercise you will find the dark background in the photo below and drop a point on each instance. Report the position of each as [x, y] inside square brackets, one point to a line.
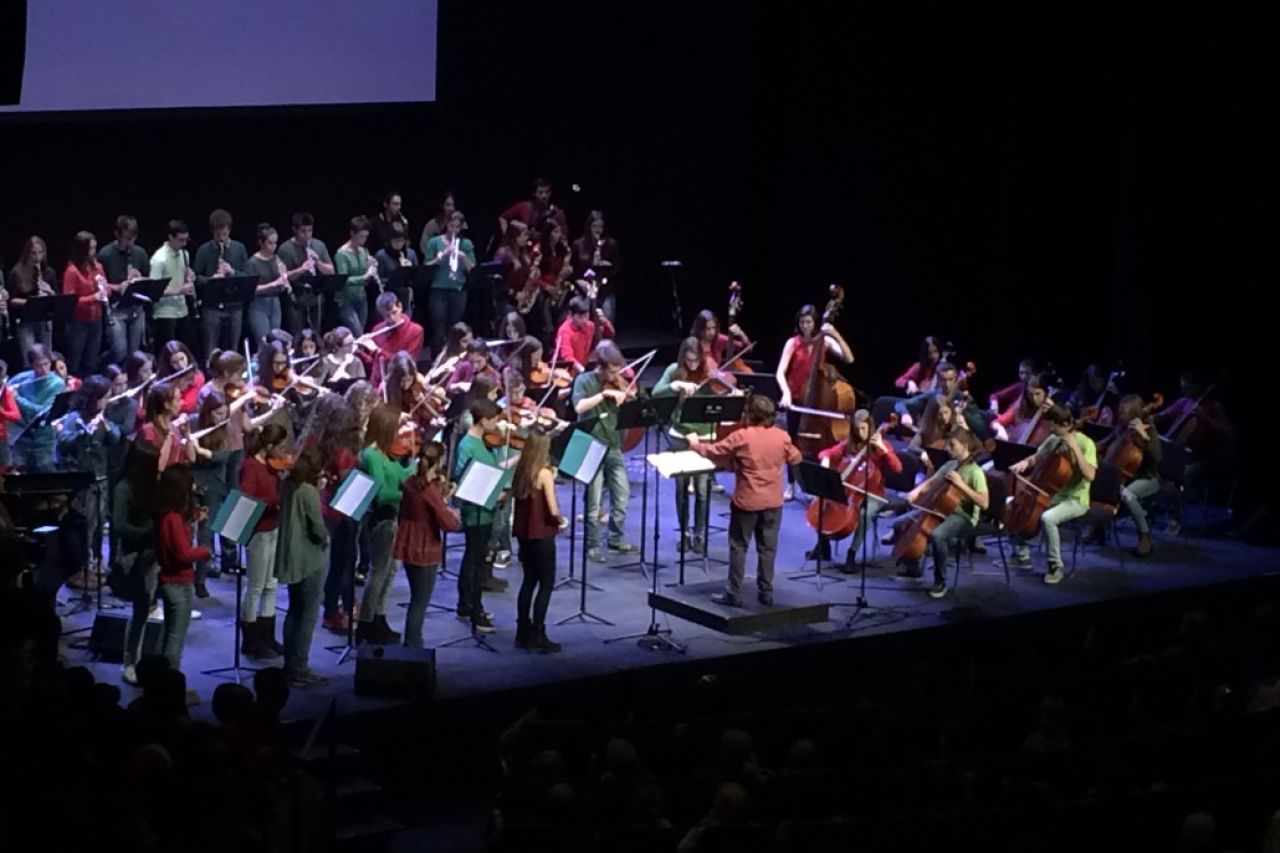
[1078, 184]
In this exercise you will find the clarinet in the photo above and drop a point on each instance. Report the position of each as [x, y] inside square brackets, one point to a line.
[195, 299]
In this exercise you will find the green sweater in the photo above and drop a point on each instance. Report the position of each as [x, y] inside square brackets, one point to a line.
[387, 473]
[355, 266]
[303, 541]
[472, 448]
[663, 389]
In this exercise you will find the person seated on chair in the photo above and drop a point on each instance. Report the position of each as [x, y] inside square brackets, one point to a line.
[874, 458]
[1198, 422]
[1000, 400]
[1146, 481]
[1072, 500]
[963, 473]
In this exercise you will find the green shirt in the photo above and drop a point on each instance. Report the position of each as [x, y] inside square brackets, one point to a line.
[444, 278]
[587, 384]
[471, 448]
[975, 478]
[355, 266]
[663, 389]
[1077, 488]
[387, 473]
[166, 263]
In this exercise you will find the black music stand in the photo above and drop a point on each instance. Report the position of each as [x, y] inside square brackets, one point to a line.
[145, 292]
[584, 475]
[494, 276]
[712, 409]
[409, 280]
[226, 290]
[645, 412]
[58, 408]
[764, 384]
[1009, 453]
[820, 483]
[558, 444]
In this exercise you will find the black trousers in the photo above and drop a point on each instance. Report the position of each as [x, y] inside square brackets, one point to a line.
[471, 573]
[538, 559]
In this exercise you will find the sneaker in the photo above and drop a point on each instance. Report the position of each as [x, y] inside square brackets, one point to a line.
[156, 614]
[502, 559]
[1020, 561]
[788, 494]
[717, 487]
[909, 575]
[482, 625]
[1054, 575]
[697, 546]
[594, 555]
[306, 678]
[464, 615]
[726, 600]
[938, 590]
[621, 547]
[129, 675]
[196, 614]
[202, 591]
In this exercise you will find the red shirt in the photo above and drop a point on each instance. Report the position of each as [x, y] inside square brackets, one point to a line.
[177, 447]
[523, 211]
[85, 287]
[9, 412]
[533, 518]
[191, 396]
[407, 337]
[261, 483]
[801, 364]
[339, 466]
[573, 345]
[174, 551]
[466, 372]
[885, 461]
[423, 515]
[1008, 395]
[756, 455]
[924, 377]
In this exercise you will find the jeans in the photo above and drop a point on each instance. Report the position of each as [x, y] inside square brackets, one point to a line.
[1132, 495]
[204, 534]
[609, 305]
[743, 524]
[32, 333]
[260, 585]
[471, 572]
[220, 328]
[264, 315]
[701, 489]
[84, 345]
[124, 336]
[304, 312]
[382, 569]
[422, 582]
[952, 527]
[446, 307]
[1057, 513]
[613, 474]
[143, 577]
[538, 559]
[177, 600]
[173, 329]
[342, 563]
[500, 540]
[300, 621]
[354, 314]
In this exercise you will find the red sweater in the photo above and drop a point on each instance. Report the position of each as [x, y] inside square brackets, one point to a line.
[573, 345]
[340, 466]
[9, 413]
[261, 483]
[423, 515]
[174, 551]
[884, 461]
[191, 396]
[85, 287]
[407, 337]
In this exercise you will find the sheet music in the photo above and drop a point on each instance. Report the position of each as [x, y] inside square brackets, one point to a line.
[591, 461]
[677, 462]
[478, 484]
[357, 488]
[240, 517]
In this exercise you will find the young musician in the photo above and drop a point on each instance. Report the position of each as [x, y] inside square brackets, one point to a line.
[555, 266]
[84, 437]
[1072, 500]
[354, 261]
[304, 553]
[33, 276]
[170, 317]
[576, 334]
[921, 376]
[36, 390]
[213, 473]
[176, 511]
[424, 518]
[684, 377]
[84, 278]
[475, 364]
[537, 521]
[340, 360]
[123, 261]
[515, 253]
[133, 532]
[219, 257]
[756, 454]
[1033, 400]
[936, 425]
[175, 359]
[796, 365]
[336, 435]
[877, 460]
[1093, 390]
[10, 415]
[376, 461]
[164, 426]
[388, 219]
[455, 350]
[1146, 481]
[404, 335]
[60, 368]
[597, 394]
[1008, 395]
[599, 253]
[947, 387]
[477, 522]
[1210, 435]
[436, 224]
[304, 256]
[715, 345]
[260, 481]
[395, 254]
[534, 210]
[453, 256]
[962, 473]
[265, 310]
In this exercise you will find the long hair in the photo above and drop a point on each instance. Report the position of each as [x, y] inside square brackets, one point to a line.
[535, 456]
[532, 347]
[165, 367]
[175, 491]
[158, 399]
[266, 355]
[307, 468]
[689, 346]
[932, 427]
[268, 438]
[401, 366]
[515, 228]
[923, 358]
[219, 439]
[91, 391]
[384, 425]
[80, 255]
[226, 364]
[701, 321]
[324, 409]
[363, 398]
[457, 334]
[339, 431]
[27, 274]
[133, 365]
[513, 320]
[855, 442]
[592, 217]
[431, 464]
[1027, 409]
[807, 311]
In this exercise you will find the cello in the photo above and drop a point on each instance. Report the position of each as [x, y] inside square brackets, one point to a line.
[1033, 492]
[1124, 452]
[937, 500]
[1183, 430]
[840, 520]
[828, 399]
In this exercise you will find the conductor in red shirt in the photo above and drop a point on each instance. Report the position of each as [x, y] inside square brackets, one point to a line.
[757, 454]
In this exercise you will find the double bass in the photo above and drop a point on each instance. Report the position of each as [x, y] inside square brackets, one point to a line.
[840, 520]
[828, 399]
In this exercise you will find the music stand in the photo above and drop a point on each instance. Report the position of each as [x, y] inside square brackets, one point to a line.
[352, 499]
[764, 384]
[937, 456]
[236, 520]
[1098, 432]
[58, 408]
[412, 279]
[144, 292]
[871, 505]
[820, 483]
[711, 409]
[494, 274]
[558, 446]
[220, 292]
[581, 460]
[1009, 453]
[645, 412]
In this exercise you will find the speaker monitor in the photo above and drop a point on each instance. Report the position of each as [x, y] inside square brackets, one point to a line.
[395, 672]
[106, 642]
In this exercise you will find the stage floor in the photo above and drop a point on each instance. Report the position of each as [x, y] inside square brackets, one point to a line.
[622, 599]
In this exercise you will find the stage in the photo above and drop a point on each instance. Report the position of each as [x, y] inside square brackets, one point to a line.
[623, 599]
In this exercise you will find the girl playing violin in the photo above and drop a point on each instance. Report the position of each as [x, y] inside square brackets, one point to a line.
[715, 345]
[475, 364]
[177, 361]
[259, 479]
[684, 377]
[513, 327]
[455, 349]
[1146, 482]
[213, 479]
[874, 458]
[537, 521]
[424, 518]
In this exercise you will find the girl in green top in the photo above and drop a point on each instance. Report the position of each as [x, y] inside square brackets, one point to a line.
[389, 474]
[301, 557]
[354, 261]
[684, 377]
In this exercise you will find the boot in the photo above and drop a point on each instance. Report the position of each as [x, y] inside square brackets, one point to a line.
[1144, 545]
[365, 633]
[269, 636]
[249, 639]
[540, 643]
[524, 633]
[382, 632]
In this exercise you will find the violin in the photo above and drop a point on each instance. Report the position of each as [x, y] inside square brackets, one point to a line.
[543, 375]
[280, 462]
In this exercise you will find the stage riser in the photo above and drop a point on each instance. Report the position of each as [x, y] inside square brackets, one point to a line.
[692, 603]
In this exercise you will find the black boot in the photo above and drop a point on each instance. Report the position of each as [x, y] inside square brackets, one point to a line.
[269, 636]
[540, 643]
[249, 639]
[382, 632]
[524, 633]
[366, 633]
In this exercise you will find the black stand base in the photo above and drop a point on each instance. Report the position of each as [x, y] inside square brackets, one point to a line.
[475, 638]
